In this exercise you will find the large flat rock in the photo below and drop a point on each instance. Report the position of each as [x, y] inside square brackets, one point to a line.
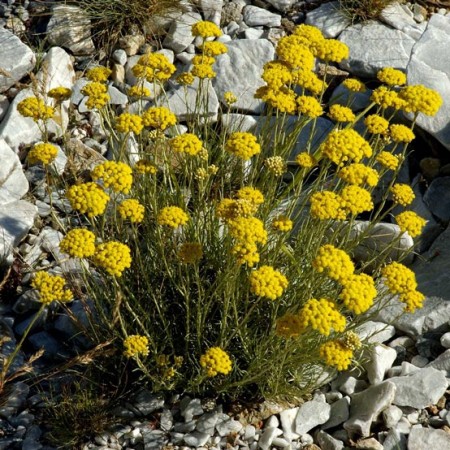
[13, 183]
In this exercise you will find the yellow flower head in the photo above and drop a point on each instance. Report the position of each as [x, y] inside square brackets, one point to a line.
[309, 33]
[336, 354]
[35, 108]
[295, 54]
[340, 113]
[159, 117]
[332, 50]
[229, 209]
[345, 145]
[114, 257]
[172, 216]
[138, 92]
[305, 160]
[185, 78]
[351, 340]
[282, 223]
[127, 123]
[276, 165]
[398, 278]
[115, 175]
[388, 160]
[336, 263]
[203, 59]
[356, 200]
[203, 71]
[78, 243]
[310, 81]
[190, 252]
[51, 288]
[135, 345]
[309, 106]
[327, 205]
[246, 253]
[358, 293]
[420, 99]
[187, 143]
[97, 94]
[267, 282]
[44, 153]
[252, 195]
[402, 194]
[354, 85]
[248, 230]
[410, 222]
[215, 361]
[99, 73]
[132, 210]
[153, 67]
[243, 145]
[206, 29]
[276, 74]
[145, 166]
[401, 133]
[88, 198]
[386, 98]
[412, 299]
[322, 315]
[359, 174]
[282, 99]
[214, 48]
[289, 326]
[60, 93]
[229, 98]
[376, 124]
[391, 76]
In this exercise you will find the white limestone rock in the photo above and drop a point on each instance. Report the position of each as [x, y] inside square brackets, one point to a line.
[430, 65]
[397, 16]
[69, 27]
[281, 5]
[212, 10]
[372, 331]
[13, 183]
[266, 439]
[255, 16]
[16, 59]
[427, 438]
[311, 414]
[339, 413]
[179, 36]
[239, 71]
[373, 46]
[379, 359]
[287, 418]
[329, 18]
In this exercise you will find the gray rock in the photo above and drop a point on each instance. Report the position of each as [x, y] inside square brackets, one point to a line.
[4, 105]
[70, 27]
[367, 405]
[253, 33]
[379, 360]
[17, 59]
[266, 439]
[437, 198]
[419, 361]
[13, 183]
[48, 343]
[352, 385]
[339, 413]
[373, 332]
[207, 422]
[255, 16]
[28, 301]
[445, 340]
[329, 18]
[422, 438]
[442, 362]
[328, 442]
[131, 43]
[120, 56]
[179, 35]
[14, 400]
[287, 418]
[166, 420]
[239, 71]
[369, 444]
[147, 402]
[397, 16]
[226, 427]
[196, 439]
[212, 10]
[359, 100]
[429, 65]
[281, 5]
[190, 408]
[421, 389]
[394, 440]
[311, 414]
[391, 416]
[371, 48]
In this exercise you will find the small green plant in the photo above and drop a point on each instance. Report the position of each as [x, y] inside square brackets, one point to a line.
[223, 260]
[363, 10]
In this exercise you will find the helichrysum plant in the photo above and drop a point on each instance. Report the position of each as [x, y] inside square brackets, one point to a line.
[224, 260]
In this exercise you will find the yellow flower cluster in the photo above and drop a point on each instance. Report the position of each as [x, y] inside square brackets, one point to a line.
[115, 175]
[388, 160]
[282, 223]
[206, 29]
[327, 205]
[113, 256]
[135, 345]
[356, 200]
[35, 108]
[391, 76]
[78, 243]
[294, 53]
[44, 153]
[203, 71]
[351, 340]
[127, 123]
[401, 133]
[99, 73]
[60, 93]
[309, 106]
[97, 94]
[51, 288]
[215, 361]
[276, 165]
[229, 209]
[251, 194]
[420, 99]
[322, 315]
[153, 67]
[358, 293]
[386, 98]
[138, 92]
[190, 252]
[88, 198]
[332, 50]
[244, 145]
[376, 124]
[145, 166]
[341, 113]
[214, 48]
[402, 194]
[159, 117]
[410, 222]
[282, 99]
[289, 326]
[336, 263]
[229, 98]
[336, 354]
[359, 174]
[267, 282]
[305, 160]
[345, 145]
[354, 85]
[172, 216]
[185, 78]
[131, 209]
[401, 280]
[187, 143]
[276, 74]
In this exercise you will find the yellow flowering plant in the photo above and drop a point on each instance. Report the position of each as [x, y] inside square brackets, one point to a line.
[224, 258]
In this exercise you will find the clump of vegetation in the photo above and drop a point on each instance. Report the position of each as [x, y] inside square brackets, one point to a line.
[363, 10]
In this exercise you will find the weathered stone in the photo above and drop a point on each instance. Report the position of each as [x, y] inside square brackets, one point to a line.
[397, 16]
[329, 18]
[254, 16]
[379, 359]
[212, 10]
[180, 36]
[442, 362]
[392, 415]
[311, 414]
[328, 442]
[281, 5]
[266, 439]
[375, 331]
[13, 183]
[339, 413]
[287, 418]
[427, 438]
[131, 43]
[437, 198]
